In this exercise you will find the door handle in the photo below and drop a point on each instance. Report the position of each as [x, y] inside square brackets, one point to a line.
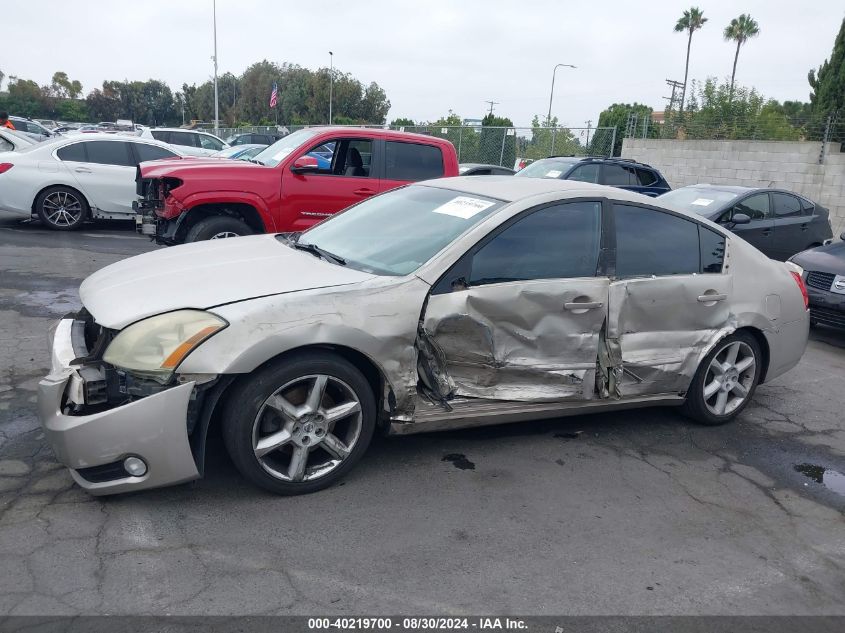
[82, 170]
[705, 298]
[582, 305]
[364, 192]
[767, 231]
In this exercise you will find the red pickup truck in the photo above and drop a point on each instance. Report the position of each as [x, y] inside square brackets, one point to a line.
[291, 185]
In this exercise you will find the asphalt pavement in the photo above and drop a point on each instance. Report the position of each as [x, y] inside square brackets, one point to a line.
[639, 512]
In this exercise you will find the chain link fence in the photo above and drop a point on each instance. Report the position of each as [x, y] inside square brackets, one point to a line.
[765, 126]
[504, 146]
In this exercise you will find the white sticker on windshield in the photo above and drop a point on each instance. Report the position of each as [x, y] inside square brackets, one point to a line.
[282, 153]
[702, 202]
[463, 207]
[553, 173]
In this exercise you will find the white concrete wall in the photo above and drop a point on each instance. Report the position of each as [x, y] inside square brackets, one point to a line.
[783, 164]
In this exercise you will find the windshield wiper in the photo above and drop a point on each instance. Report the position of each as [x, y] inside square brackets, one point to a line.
[319, 252]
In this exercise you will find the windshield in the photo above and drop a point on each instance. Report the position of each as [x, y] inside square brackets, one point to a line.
[276, 153]
[700, 200]
[547, 168]
[397, 232]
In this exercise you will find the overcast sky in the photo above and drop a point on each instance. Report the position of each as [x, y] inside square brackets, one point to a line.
[429, 56]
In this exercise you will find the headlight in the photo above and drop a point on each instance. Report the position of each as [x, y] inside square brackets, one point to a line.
[156, 346]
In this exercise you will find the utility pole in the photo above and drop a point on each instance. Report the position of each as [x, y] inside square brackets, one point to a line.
[675, 85]
[492, 103]
[331, 83]
[216, 104]
[589, 123]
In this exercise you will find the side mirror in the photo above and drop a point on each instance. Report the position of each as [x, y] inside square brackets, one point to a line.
[740, 218]
[305, 164]
[842, 237]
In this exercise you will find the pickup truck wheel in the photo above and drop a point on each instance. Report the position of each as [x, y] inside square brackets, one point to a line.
[61, 208]
[217, 227]
[300, 425]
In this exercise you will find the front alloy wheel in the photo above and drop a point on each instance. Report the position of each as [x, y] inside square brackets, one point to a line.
[299, 425]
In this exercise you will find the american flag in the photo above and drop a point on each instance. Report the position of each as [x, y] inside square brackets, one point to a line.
[274, 95]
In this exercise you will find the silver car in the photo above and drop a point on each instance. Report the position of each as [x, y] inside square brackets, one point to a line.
[444, 304]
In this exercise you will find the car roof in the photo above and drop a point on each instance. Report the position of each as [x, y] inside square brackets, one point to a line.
[738, 189]
[510, 189]
[382, 133]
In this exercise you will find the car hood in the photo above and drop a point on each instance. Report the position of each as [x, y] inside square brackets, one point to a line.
[203, 275]
[170, 167]
[825, 259]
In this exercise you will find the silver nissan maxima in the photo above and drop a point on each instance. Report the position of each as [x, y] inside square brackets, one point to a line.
[444, 304]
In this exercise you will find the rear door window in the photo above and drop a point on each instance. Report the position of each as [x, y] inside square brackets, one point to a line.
[412, 161]
[183, 138]
[209, 142]
[646, 177]
[617, 175]
[585, 173]
[785, 206]
[109, 153]
[74, 153]
[651, 242]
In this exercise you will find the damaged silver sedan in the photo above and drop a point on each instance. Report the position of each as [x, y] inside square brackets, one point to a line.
[445, 304]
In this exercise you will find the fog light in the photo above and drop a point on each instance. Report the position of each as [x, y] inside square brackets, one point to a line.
[135, 466]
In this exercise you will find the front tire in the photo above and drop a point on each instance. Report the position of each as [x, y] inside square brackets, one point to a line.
[61, 208]
[725, 380]
[300, 425]
[217, 227]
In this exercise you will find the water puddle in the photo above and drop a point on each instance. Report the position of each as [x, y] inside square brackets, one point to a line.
[459, 460]
[830, 479]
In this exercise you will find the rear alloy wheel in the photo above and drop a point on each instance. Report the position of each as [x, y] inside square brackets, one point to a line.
[299, 426]
[216, 228]
[61, 208]
[725, 381]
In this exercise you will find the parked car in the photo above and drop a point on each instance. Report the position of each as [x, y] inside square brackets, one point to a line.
[445, 304]
[779, 223]
[254, 138]
[824, 275]
[64, 129]
[283, 188]
[616, 172]
[323, 154]
[70, 179]
[31, 128]
[190, 142]
[240, 152]
[12, 140]
[50, 124]
[477, 169]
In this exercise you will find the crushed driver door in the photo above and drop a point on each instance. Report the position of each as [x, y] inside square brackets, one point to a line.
[519, 317]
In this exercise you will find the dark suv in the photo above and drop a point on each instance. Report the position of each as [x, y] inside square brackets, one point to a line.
[616, 172]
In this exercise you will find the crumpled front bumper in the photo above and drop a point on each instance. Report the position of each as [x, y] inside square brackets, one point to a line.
[153, 428]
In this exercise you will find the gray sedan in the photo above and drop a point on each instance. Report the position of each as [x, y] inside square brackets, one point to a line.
[779, 223]
[444, 304]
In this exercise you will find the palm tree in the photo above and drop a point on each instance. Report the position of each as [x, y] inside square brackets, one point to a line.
[740, 30]
[691, 21]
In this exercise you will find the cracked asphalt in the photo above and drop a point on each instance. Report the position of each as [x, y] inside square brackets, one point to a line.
[639, 512]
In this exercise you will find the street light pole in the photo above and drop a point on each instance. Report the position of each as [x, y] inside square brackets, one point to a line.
[216, 105]
[331, 83]
[551, 96]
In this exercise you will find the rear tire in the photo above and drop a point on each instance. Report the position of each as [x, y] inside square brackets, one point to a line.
[299, 425]
[725, 381]
[217, 227]
[62, 208]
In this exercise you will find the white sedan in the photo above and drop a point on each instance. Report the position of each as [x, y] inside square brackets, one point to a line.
[67, 180]
[12, 140]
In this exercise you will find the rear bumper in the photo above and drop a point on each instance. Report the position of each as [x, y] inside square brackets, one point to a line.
[153, 428]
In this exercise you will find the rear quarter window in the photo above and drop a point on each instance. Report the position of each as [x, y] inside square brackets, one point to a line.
[412, 161]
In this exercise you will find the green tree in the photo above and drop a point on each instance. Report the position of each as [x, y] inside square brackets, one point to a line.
[617, 115]
[691, 21]
[27, 98]
[828, 82]
[63, 87]
[740, 30]
[402, 122]
[72, 110]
